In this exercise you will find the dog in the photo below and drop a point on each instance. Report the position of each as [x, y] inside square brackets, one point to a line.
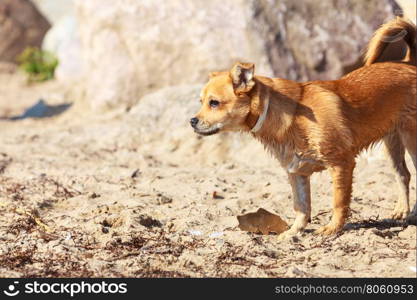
[318, 125]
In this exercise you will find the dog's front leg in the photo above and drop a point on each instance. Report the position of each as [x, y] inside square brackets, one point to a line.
[302, 204]
[342, 176]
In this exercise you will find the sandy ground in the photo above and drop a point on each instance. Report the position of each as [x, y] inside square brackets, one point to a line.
[88, 195]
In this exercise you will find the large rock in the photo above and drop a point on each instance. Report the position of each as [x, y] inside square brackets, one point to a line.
[63, 40]
[131, 47]
[21, 26]
[55, 10]
[311, 40]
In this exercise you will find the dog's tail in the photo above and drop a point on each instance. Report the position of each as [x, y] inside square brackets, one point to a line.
[393, 31]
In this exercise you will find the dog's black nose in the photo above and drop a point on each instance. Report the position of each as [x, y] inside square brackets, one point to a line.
[193, 122]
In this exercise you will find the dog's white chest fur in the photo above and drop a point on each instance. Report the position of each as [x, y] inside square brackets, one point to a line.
[291, 161]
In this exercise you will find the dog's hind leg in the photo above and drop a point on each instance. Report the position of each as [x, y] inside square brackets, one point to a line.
[409, 139]
[395, 152]
[302, 204]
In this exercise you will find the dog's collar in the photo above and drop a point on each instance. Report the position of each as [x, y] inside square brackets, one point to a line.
[262, 117]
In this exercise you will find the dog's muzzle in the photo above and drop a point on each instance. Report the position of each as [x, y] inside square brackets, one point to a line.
[194, 122]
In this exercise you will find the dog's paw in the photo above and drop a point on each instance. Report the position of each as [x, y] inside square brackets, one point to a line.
[286, 235]
[399, 215]
[329, 229]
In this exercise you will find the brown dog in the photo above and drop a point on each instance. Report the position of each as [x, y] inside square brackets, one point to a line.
[321, 125]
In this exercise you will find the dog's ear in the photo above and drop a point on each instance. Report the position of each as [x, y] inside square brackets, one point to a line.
[242, 77]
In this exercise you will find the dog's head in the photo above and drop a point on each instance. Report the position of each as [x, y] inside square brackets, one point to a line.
[225, 101]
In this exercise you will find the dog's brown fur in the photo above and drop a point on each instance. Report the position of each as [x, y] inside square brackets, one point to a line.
[321, 125]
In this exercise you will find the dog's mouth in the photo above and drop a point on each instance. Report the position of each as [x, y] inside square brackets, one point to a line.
[207, 131]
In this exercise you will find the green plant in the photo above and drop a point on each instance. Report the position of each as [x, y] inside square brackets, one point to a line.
[39, 64]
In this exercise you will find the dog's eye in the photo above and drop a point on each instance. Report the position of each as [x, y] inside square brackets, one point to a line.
[214, 103]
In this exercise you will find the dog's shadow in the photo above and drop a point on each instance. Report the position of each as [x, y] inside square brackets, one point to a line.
[381, 223]
[372, 222]
[382, 226]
